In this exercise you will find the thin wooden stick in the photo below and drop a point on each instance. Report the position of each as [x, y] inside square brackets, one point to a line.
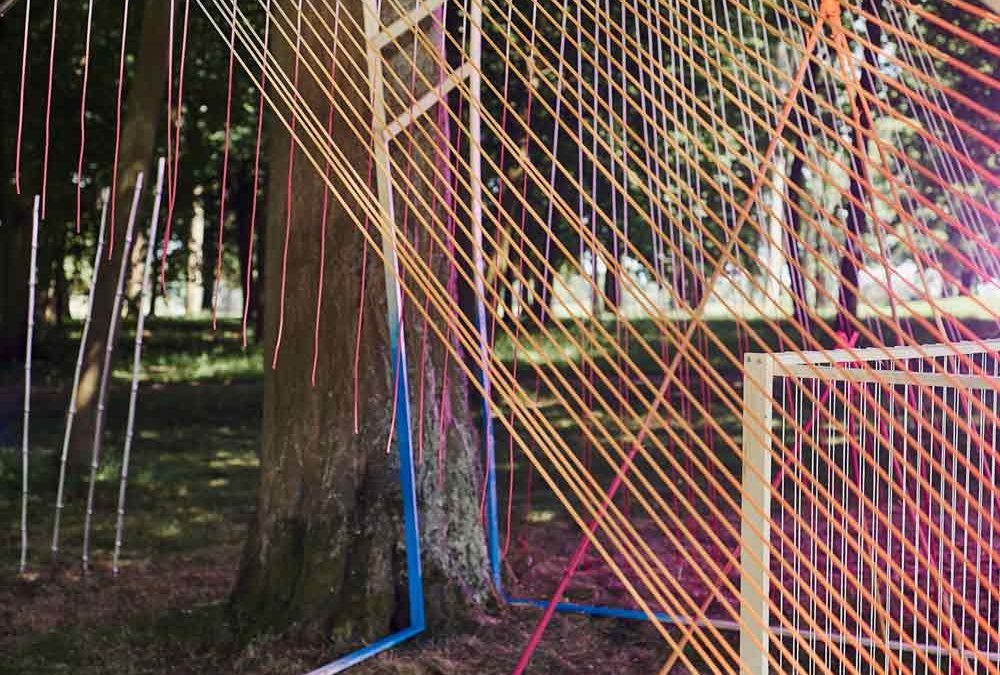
[71, 413]
[95, 456]
[136, 363]
[32, 283]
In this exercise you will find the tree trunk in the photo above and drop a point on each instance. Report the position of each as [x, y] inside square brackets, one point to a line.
[325, 549]
[194, 284]
[143, 110]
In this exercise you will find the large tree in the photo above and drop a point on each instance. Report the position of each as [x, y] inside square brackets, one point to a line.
[326, 549]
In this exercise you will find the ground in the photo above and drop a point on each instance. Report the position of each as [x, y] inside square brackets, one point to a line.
[191, 493]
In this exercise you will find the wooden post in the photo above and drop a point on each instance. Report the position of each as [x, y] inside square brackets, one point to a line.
[755, 514]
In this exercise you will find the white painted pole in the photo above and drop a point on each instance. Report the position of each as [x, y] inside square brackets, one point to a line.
[32, 284]
[71, 413]
[755, 515]
[136, 363]
[95, 455]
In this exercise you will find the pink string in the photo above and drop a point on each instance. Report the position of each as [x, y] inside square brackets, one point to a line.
[361, 305]
[225, 171]
[256, 176]
[178, 121]
[326, 196]
[83, 116]
[395, 387]
[48, 106]
[118, 130]
[288, 195]
[170, 113]
[20, 104]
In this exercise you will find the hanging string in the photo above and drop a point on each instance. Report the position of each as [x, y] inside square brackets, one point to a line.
[178, 121]
[48, 106]
[288, 190]
[118, 128]
[83, 119]
[255, 195]
[224, 181]
[326, 201]
[20, 100]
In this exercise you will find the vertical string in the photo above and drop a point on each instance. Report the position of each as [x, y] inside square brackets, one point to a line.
[20, 101]
[83, 120]
[118, 126]
[255, 196]
[326, 195]
[224, 182]
[288, 189]
[178, 124]
[48, 105]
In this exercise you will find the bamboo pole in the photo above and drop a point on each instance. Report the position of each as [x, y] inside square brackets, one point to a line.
[136, 363]
[32, 284]
[71, 413]
[95, 456]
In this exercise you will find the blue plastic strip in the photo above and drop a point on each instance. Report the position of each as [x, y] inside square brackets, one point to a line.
[411, 524]
[593, 610]
[492, 517]
[407, 477]
[354, 658]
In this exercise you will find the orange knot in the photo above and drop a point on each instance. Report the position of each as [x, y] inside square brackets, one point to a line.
[829, 9]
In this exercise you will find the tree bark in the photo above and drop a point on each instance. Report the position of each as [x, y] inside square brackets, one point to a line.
[325, 550]
[141, 117]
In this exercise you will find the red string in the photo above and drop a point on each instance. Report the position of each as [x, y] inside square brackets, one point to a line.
[170, 112]
[20, 104]
[48, 106]
[396, 371]
[288, 194]
[225, 171]
[118, 129]
[326, 197]
[83, 116]
[361, 303]
[256, 176]
[178, 121]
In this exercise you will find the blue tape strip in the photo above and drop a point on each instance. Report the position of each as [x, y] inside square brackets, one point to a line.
[354, 658]
[411, 521]
[593, 610]
[407, 477]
